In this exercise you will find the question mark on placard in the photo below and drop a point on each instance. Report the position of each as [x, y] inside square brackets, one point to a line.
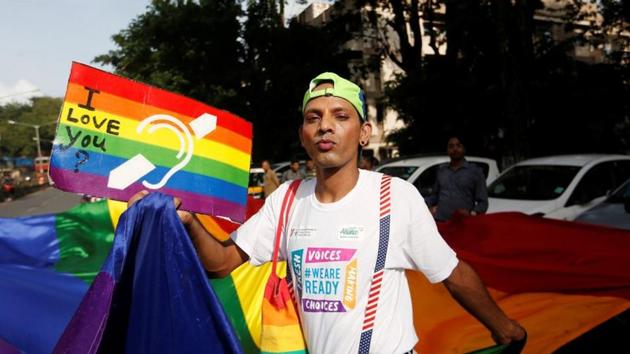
[83, 156]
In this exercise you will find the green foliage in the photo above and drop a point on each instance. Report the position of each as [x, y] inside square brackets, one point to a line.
[17, 140]
[280, 62]
[184, 46]
[247, 63]
[513, 89]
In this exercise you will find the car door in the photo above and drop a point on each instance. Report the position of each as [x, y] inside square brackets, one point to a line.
[592, 189]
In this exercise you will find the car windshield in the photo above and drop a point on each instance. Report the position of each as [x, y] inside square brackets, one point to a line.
[256, 179]
[621, 193]
[533, 182]
[402, 172]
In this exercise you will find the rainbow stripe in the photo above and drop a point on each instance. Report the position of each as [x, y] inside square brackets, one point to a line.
[48, 262]
[100, 128]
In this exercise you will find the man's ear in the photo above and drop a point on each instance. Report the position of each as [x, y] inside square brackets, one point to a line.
[366, 132]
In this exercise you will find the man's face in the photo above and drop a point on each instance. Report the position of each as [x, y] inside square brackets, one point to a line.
[309, 164]
[455, 149]
[295, 166]
[331, 131]
[265, 165]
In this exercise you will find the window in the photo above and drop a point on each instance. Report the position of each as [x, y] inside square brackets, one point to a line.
[621, 171]
[485, 168]
[595, 183]
[426, 181]
[533, 182]
[402, 172]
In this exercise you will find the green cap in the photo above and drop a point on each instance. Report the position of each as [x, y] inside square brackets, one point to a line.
[342, 88]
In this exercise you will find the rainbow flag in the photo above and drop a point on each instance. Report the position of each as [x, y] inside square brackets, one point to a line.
[151, 295]
[47, 263]
[551, 276]
[116, 137]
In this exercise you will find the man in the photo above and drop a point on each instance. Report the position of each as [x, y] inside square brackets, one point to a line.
[309, 169]
[460, 186]
[368, 162]
[332, 238]
[293, 172]
[270, 180]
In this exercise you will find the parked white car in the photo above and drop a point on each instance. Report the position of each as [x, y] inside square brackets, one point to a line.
[557, 187]
[421, 171]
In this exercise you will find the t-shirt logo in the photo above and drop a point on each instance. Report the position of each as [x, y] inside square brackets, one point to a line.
[351, 232]
[306, 232]
[325, 278]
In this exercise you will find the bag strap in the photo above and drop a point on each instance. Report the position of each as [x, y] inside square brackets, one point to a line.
[375, 287]
[287, 202]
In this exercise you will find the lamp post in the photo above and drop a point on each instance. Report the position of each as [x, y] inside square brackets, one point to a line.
[36, 126]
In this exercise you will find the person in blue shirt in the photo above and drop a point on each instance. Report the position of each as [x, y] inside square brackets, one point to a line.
[460, 186]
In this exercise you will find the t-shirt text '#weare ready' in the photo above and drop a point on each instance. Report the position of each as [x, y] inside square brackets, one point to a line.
[331, 249]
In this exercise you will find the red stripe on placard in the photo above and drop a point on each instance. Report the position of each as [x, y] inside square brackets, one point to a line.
[88, 76]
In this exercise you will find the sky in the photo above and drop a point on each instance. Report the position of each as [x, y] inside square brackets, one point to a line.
[39, 39]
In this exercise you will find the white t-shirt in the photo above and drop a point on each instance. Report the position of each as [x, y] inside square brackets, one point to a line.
[333, 249]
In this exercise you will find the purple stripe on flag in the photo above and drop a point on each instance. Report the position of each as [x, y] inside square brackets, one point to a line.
[92, 184]
[6, 348]
[90, 318]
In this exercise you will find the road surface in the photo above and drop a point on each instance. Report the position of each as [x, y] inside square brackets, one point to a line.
[46, 201]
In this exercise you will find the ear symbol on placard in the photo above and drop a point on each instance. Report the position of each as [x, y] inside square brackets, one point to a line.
[138, 166]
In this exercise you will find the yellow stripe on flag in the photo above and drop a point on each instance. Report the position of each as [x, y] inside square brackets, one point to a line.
[160, 137]
[551, 319]
[282, 339]
[116, 209]
[247, 281]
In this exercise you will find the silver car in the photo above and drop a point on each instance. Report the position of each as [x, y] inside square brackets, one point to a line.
[613, 212]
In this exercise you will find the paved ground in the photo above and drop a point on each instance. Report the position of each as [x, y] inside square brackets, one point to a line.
[46, 201]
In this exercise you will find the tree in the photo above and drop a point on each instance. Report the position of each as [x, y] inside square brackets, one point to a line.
[505, 81]
[280, 61]
[246, 62]
[17, 140]
[190, 47]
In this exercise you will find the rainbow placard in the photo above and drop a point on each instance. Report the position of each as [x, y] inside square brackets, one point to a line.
[116, 137]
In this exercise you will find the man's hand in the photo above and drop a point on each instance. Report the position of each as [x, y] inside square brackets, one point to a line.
[463, 211]
[514, 331]
[466, 287]
[136, 197]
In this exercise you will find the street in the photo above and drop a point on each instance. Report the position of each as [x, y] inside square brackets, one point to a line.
[46, 201]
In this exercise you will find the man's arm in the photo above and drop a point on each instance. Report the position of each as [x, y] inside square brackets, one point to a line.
[466, 287]
[481, 195]
[432, 199]
[274, 179]
[218, 258]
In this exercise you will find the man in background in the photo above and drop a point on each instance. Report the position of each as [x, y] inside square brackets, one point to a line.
[293, 172]
[460, 186]
[270, 180]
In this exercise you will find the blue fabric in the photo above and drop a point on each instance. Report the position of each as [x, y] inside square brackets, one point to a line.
[29, 241]
[161, 301]
[35, 306]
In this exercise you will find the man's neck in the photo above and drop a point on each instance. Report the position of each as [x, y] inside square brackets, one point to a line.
[456, 164]
[335, 183]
